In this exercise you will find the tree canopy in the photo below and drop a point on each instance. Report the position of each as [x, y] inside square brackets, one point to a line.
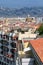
[40, 30]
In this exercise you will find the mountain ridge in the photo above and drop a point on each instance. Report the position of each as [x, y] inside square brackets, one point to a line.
[23, 12]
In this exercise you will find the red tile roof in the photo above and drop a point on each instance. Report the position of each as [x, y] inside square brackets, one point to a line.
[38, 47]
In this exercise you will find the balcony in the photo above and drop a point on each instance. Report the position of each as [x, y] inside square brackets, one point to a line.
[4, 42]
[1, 47]
[4, 50]
[13, 51]
[5, 37]
[0, 58]
[13, 45]
[10, 56]
[1, 52]
[1, 41]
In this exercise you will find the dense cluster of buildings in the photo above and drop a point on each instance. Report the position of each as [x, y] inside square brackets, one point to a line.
[20, 41]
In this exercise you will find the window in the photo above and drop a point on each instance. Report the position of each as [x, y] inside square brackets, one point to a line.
[12, 56]
[0, 62]
[0, 58]
[12, 38]
[4, 64]
[13, 45]
[5, 43]
[12, 51]
[2, 47]
[1, 41]
[7, 37]
[1, 52]
[17, 38]
[3, 36]
[10, 62]
[5, 49]
[7, 60]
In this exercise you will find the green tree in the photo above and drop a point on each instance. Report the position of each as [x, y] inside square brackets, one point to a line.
[40, 30]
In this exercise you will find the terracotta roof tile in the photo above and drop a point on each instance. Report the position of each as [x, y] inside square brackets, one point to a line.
[38, 47]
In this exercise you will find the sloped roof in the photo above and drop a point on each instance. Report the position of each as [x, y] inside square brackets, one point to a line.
[38, 47]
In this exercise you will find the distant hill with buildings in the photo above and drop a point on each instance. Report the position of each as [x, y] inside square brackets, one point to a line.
[32, 11]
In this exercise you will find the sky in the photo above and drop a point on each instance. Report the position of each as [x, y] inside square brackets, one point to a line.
[20, 3]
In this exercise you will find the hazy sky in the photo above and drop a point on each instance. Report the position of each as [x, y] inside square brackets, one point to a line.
[20, 3]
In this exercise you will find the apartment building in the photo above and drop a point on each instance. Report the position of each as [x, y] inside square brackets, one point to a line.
[8, 43]
[27, 36]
